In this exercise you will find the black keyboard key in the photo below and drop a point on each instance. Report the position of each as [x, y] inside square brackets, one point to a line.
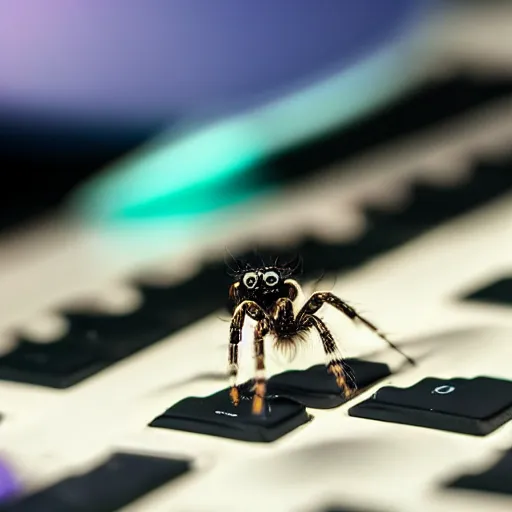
[93, 342]
[432, 205]
[121, 480]
[496, 479]
[499, 292]
[113, 337]
[185, 303]
[56, 365]
[215, 415]
[319, 257]
[386, 230]
[317, 388]
[469, 406]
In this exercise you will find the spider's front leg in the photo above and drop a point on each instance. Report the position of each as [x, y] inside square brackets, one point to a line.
[318, 299]
[260, 383]
[335, 363]
[251, 309]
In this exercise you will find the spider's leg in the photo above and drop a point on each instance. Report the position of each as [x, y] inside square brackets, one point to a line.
[235, 336]
[318, 299]
[233, 373]
[260, 386]
[335, 364]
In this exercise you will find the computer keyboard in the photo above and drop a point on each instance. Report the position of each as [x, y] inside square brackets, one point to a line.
[113, 354]
[127, 406]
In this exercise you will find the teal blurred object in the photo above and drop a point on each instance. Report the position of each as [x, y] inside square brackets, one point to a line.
[209, 165]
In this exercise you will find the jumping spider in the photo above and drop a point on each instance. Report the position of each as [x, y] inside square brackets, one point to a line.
[267, 295]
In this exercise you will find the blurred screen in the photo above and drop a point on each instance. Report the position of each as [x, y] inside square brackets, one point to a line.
[222, 84]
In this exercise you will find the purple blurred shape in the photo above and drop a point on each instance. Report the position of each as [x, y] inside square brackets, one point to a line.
[155, 59]
[9, 485]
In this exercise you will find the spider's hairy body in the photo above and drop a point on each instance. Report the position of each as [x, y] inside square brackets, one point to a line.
[268, 295]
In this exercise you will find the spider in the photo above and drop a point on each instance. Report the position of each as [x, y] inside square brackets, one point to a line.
[267, 294]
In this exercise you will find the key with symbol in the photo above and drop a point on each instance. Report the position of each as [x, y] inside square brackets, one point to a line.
[469, 406]
[215, 415]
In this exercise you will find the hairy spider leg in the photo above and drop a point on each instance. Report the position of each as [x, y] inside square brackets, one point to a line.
[335, 363]
[318, 299]
[260, 383]
[233, 372]
[254, 311]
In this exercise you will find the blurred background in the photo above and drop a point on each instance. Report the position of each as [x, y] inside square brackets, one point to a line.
[126, 110]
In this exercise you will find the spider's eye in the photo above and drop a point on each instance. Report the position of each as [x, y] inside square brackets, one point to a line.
[271, 278]
[250, 279]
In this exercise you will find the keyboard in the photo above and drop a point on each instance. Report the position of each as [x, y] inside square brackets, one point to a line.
[114, 347]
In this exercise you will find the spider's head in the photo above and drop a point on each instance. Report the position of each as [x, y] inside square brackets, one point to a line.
[264, 285]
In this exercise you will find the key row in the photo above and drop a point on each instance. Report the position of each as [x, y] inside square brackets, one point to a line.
[126, 477]
[475, 406]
